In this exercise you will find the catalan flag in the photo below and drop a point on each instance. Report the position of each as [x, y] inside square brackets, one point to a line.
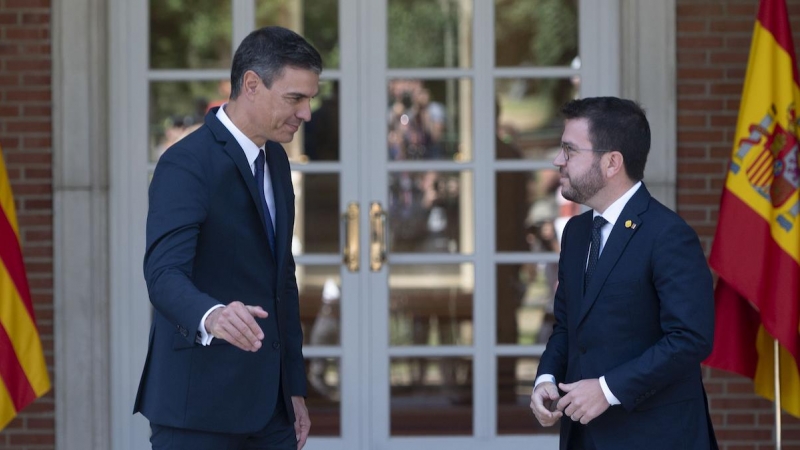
[756, 250]
[23, 373]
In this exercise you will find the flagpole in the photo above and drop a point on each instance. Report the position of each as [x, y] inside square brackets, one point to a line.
[777, 370]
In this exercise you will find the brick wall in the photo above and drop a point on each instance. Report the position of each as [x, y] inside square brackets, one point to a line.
[713, 43]
[26, 139]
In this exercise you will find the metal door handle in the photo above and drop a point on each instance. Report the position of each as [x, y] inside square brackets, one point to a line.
[377, 237]
[351, 250]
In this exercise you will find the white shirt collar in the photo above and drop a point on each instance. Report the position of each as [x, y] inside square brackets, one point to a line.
[249, 147]
[612, 213]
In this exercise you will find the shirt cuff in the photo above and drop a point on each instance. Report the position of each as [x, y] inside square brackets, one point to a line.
[203, 336]
[612, 400]
[543, 379]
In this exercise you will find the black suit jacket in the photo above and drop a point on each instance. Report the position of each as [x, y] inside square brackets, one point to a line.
[645, 322]
[207, 244]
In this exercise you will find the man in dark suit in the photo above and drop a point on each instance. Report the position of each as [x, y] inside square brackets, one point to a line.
[634, 304]
[225, 368]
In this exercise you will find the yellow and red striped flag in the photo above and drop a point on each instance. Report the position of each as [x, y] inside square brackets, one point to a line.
[23, 373]
[756, 250]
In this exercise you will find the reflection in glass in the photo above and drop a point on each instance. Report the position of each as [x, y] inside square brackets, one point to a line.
[430, 119]
[317, 218]
[535, 32]
[430, 304]
[190, 35]
[431, 396]
[525, 295]
[529, 116]
[321, 134]
[425, 212]
[429, 33]
[317, 21]
[320, 294]
[515, 377]
[177, 108]
[324, 398]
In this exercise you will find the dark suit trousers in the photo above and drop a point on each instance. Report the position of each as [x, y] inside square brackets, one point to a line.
[579, 438]
[278, 434]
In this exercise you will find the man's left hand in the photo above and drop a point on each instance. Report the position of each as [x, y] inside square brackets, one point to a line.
[584, 400]
[302, 424]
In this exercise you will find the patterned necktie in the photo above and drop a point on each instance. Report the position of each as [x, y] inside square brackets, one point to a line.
[594, 251]
[267, 217]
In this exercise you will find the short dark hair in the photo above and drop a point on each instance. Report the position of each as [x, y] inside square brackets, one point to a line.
[267, 51]
[615, 124]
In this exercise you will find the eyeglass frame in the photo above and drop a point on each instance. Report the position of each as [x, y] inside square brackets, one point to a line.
[565, 148]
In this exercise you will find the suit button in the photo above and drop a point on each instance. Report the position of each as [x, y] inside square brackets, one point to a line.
[583, 350]
[276, 345]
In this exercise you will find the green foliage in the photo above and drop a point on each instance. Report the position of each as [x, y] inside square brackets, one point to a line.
[417, 31]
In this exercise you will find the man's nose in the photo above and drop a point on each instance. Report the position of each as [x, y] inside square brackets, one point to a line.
[560, 160]
[304, 112]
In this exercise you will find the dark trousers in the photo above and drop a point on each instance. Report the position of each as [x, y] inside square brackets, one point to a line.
[278, 434]
[579, 438]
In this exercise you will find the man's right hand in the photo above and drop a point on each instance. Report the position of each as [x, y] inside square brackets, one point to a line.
[235, 323]
[543, 400]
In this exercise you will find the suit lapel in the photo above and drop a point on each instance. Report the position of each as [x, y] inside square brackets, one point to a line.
[615, 246]
[236, 153]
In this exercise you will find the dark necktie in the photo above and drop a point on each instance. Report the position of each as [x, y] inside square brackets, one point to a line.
[594, 251]
[267, 218]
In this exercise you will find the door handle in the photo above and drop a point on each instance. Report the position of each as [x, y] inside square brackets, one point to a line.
[378, 237]
[351, 250]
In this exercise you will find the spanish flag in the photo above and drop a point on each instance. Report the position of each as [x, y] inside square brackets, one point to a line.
[23, 373]
[756, 250]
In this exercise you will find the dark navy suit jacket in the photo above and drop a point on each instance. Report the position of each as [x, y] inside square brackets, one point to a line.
[207, 244]
[645, 322]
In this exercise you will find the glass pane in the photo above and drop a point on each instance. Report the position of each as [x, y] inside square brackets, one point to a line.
[324, 400]
[321, 134]
[320, 300]
[430, 304]
[316, 197]
[535, 32]
[317, 21]
[426, 214]
[431, 396]
[525, 302]
[430, 119]
[515, 377]
[190, 35]
[511, 209]
[429, 33]
[178, 108]
[528, 114]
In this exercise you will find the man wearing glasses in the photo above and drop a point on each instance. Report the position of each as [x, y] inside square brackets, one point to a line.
[634, 305]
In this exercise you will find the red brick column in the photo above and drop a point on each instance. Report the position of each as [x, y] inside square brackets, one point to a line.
[713, 43]
[26, 139]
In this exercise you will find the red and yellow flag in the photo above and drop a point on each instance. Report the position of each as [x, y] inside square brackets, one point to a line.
[756, 250]
[23, 373]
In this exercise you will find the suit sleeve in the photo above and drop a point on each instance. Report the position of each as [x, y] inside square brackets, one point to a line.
[178, 204]
[554, 358]
[683, 284]
[295, 364]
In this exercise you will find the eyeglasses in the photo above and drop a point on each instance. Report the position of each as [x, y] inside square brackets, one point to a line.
[568, 150]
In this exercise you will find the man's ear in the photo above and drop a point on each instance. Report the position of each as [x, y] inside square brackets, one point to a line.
[250, 82]
[615, 164]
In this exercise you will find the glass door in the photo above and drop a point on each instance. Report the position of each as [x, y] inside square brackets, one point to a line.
[428, 213]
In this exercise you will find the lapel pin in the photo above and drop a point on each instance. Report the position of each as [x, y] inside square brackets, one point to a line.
[633, 226]
[629, 224]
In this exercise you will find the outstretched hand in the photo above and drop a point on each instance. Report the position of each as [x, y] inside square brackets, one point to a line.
[236, 324]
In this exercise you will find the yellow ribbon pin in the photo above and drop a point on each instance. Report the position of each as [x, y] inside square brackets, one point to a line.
[628, 224]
